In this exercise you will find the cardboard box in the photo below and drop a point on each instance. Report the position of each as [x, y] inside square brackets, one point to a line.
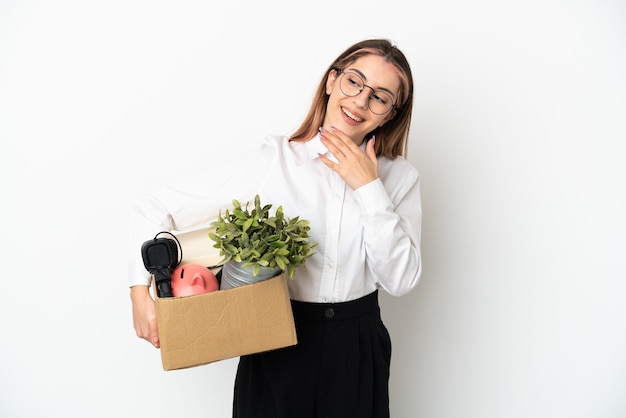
[202, 329]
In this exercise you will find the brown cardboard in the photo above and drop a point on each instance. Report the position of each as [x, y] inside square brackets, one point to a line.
[202, 329]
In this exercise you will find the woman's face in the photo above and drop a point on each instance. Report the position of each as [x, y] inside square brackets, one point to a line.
[352, 114]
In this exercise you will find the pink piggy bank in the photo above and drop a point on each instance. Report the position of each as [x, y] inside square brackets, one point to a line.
[193, 279]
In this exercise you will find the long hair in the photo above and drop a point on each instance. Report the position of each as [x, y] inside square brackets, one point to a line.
[391, 138]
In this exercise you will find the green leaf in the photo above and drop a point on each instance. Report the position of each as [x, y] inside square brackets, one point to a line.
[230, 248]
[267, 257]
[244, 239]
[280, 261]
[277, 244]
[246, 225]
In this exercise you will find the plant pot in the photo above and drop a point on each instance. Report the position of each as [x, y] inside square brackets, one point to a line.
[234, 274]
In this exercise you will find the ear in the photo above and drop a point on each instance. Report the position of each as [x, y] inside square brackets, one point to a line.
[330, 80]
[198, 280]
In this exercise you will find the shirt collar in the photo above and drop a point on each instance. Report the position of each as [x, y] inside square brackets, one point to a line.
[314, 147]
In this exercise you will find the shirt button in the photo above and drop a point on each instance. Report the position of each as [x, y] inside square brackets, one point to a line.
[329, 313]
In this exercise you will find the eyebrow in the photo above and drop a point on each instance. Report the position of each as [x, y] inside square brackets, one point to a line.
[365, 78]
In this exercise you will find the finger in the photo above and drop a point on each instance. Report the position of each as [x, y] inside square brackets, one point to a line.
[332, 143]
[330, 164]
[338, 143]
[154, 339]
[343, 142]
[343, 138]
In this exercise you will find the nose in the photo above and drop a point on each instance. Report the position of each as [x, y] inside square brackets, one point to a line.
[362, 99]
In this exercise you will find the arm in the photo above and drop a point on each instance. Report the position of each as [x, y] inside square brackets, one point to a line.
[392, 231]
[391, 212]
[193, 198]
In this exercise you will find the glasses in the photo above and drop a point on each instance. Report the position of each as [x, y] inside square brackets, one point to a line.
[379, 102]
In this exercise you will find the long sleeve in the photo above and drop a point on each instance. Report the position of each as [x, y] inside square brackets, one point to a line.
[194, 198]
[392, 230]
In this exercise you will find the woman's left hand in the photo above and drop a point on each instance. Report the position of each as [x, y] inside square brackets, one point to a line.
[355, 167]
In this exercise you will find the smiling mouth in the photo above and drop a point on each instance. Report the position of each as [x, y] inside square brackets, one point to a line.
[351, 115]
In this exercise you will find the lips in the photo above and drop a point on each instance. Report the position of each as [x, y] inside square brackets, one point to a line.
[351, 115]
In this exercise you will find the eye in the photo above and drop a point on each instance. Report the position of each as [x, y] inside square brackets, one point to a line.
[355, 81]
[381, 98]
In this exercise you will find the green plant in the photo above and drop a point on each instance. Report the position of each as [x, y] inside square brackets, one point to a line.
[260, 240]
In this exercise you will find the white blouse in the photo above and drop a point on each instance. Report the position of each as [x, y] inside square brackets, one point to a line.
[367, 238]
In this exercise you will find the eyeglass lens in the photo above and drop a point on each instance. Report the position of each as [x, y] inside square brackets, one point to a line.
[352, 84]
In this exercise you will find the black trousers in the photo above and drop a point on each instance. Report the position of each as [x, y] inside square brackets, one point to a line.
[338, 369]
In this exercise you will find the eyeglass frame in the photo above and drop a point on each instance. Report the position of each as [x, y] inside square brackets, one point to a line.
[393, 97]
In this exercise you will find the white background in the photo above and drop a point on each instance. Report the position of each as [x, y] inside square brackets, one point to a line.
[518, 133]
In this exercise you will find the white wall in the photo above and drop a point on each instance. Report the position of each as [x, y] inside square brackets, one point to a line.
[517, 134]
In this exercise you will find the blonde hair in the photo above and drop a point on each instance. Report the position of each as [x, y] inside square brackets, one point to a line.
[391, 138]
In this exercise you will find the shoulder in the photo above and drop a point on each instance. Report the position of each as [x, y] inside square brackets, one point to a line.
[399, 177]
[397, 170]
[281, 147]
[267, 146]
[275, 141]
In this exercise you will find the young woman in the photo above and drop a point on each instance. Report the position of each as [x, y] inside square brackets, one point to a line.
[344, 170]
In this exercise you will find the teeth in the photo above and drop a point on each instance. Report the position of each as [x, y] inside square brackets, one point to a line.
[351, 116]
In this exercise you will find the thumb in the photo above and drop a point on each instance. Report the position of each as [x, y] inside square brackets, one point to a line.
[154, 339]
